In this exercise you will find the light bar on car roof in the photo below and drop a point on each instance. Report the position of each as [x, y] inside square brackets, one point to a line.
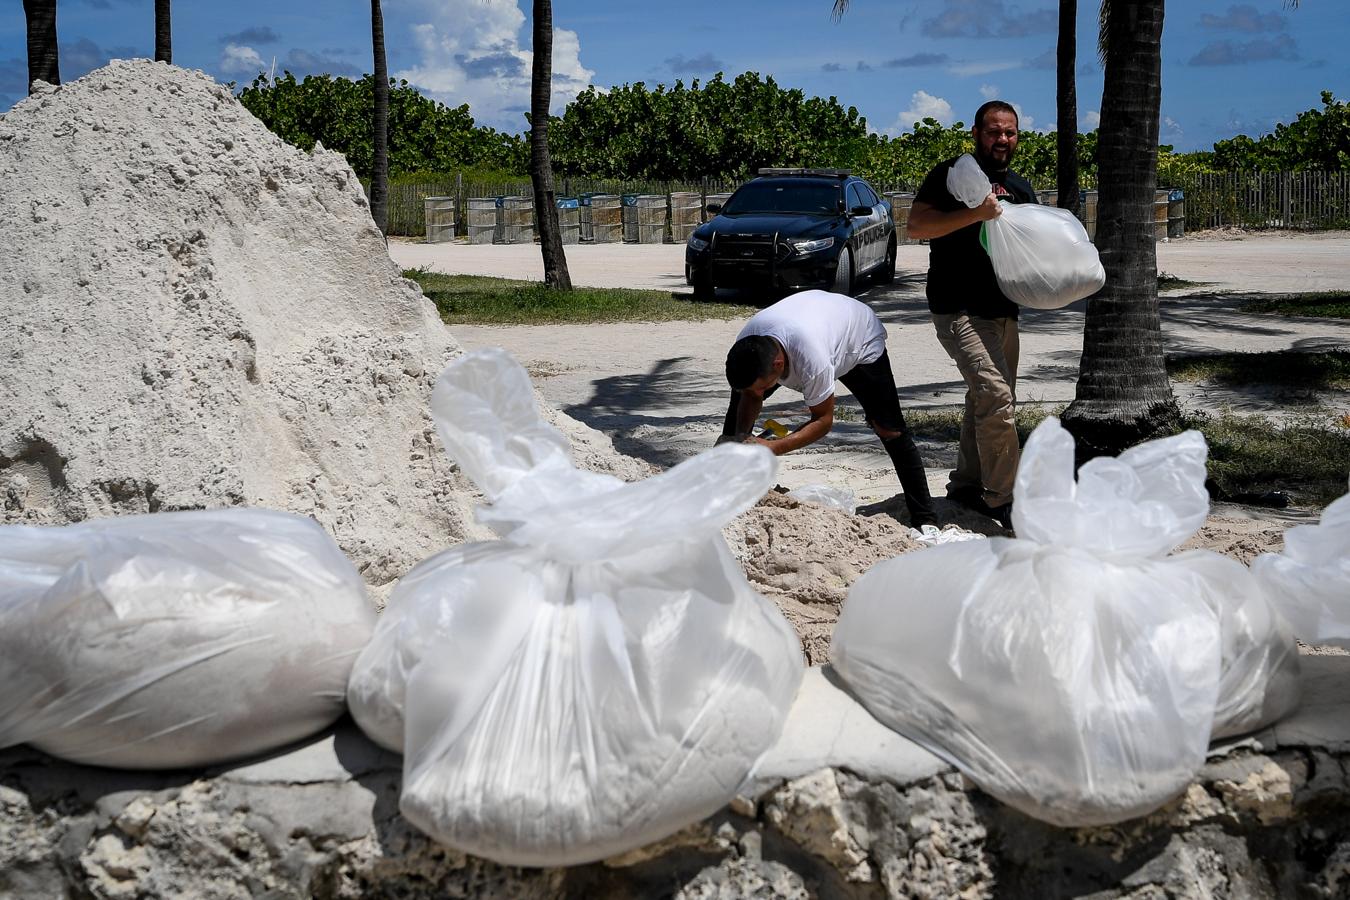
[828, 173]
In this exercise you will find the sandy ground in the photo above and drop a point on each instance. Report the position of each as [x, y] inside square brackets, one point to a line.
[658, 389]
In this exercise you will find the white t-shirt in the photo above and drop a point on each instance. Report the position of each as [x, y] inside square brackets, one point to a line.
[825, 335]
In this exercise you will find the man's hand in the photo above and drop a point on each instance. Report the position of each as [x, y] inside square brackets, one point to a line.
[774, 447]
[990, 209]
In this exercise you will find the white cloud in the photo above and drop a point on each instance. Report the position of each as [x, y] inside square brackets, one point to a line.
[236, 59]
[984, 67]
[471, 51]
[989, 91]
[922, 105]
[1024, 121]
[1172, 128]
[1091, 119]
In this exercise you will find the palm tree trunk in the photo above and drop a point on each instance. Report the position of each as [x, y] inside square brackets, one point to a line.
[163, 33]
[1123, 393]
[1066, 94]
[43, 59]
[379, 176]
[541, 166]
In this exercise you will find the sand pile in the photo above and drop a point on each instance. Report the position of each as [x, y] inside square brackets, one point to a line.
[805, 557]
[199, 315]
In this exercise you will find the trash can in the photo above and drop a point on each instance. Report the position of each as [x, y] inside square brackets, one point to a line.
[1087, 211]
[585, 225]
[569, 219]
[644, 218]
[901, 202]
[439, 213]
[606, 218]
[517, 219]
[1176, 214]
[481, 220]
[686, 214]
[719, 199]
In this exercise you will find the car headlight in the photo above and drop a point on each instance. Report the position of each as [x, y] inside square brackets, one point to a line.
[697, 243]
[811, 245]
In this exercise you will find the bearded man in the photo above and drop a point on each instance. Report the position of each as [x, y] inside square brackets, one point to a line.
[976, 324]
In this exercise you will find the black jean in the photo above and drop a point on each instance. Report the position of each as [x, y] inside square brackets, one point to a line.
[873, 384]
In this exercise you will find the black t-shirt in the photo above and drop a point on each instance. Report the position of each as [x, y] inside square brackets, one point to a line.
[960, 275]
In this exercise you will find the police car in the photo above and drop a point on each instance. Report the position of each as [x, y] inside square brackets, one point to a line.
[791, 229]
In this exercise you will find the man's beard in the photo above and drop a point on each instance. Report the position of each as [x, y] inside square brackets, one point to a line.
[989, 164]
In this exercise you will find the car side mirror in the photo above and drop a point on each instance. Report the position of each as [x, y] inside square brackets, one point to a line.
[714, 207]
[860, 211]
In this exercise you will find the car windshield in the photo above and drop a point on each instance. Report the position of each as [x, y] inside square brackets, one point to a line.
[784, 197]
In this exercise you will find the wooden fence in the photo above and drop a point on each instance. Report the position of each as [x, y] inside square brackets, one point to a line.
[1293, 200]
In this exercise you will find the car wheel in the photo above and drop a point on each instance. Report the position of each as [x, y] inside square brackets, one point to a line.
[843, 273]
[703, 287]
[886, 274]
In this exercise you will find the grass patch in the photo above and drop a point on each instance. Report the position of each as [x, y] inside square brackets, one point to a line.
[1169, 282]
[1329, 370]
[1306, 458]
[1322, 304]
[945, 424]
[479, 300]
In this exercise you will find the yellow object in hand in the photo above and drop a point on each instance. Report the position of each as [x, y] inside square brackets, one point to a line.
[777, 429]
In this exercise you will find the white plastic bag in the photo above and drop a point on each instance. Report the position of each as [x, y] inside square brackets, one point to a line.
[599, 678]
[826, 495]
[1310, 581]
[175, 639]
[1073, 672]
[1259, 683]
[1041, 255]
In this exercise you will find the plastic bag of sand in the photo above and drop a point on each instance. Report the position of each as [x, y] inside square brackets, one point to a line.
[598, 678]
[1076, 672]
[1042, 256]
[175, 639]
[1309, 581]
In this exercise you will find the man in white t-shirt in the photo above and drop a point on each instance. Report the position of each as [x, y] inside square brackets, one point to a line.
[807, 342]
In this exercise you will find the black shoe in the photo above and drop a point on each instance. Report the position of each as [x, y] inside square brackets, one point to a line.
[970, 496]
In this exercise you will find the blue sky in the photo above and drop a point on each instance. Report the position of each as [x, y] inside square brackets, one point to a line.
[1227, 67]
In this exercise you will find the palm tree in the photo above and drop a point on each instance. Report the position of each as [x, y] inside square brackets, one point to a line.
[379, 176]
[1123, 393]
[541, 166]
[163, 34]
[1066, 107]
[42, 52]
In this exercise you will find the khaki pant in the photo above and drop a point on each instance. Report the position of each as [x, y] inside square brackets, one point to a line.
[985, 351]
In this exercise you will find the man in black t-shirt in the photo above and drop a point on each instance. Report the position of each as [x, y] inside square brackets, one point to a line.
[975, 322]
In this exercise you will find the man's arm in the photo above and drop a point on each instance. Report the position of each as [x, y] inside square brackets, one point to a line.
[747, 411]
[926, 221]
[819, 425]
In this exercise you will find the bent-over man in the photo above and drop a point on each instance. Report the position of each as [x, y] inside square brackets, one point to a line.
[806, 342]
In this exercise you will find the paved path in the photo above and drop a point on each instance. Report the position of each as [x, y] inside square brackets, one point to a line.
[1268, 263]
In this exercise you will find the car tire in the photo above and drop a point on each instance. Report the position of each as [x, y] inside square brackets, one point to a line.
[703, 287]
[886, 274]
[843, 273]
